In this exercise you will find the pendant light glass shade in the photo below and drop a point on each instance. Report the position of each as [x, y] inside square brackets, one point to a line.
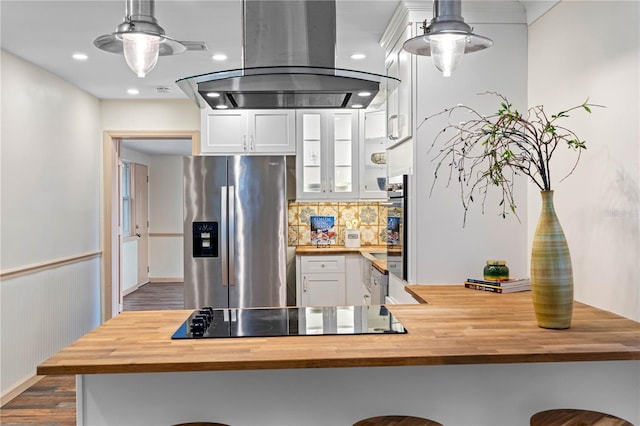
[447, 51]
[141, 39]
[141, 52]
[447, 37]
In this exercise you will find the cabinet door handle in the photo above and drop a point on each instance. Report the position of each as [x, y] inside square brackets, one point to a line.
[330, 184]
[244, 142]
[252, 144]
[324, 186]
[391, 127]
[304, 284]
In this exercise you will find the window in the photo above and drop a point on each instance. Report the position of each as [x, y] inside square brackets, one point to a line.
[126, 209]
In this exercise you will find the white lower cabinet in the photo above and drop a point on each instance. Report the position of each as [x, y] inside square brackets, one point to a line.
[321, 281]
[323, 289]
[331, 280]
[353, 274]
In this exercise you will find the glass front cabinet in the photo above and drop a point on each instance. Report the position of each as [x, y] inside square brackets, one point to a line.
[373, 165]
[327, 166]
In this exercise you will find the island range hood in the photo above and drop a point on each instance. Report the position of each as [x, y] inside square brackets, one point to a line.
[288, 62]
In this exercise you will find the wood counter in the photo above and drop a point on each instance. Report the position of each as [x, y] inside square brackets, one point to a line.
[457, 326]
[380, 265]
[326, 250]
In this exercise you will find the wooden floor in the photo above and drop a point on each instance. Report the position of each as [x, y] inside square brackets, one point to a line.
[156, 297]
[52, 401]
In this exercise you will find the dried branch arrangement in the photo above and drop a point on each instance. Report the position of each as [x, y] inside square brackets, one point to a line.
[489, 151]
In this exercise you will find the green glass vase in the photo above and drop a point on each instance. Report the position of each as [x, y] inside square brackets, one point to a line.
[496, 270]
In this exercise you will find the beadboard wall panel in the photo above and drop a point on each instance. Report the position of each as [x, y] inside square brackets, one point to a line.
[129, 265]
[43, 312]
[166, 256]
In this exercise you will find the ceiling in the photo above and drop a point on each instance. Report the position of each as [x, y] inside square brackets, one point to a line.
[48, 32]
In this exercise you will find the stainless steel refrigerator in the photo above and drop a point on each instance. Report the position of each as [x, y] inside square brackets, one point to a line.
[235, 230]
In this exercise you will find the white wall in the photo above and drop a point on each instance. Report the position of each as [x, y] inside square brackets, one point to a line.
[135, 156]
[570, 59]
[166, 203]
[170, 114]
[445, 251]
[50, 192]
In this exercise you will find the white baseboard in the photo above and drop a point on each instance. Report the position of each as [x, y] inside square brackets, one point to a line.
[166, 280]
[130, 290]
[18, 389]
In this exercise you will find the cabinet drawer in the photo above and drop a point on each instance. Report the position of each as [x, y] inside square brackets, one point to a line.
[320, 264]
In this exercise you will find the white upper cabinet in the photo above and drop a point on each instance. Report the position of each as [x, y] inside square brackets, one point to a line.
[272, 131]
[373, 165]
[248, 132]
[327, 166]
[399, 64]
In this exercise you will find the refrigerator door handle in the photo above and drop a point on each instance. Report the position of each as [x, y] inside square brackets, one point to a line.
[224, 235]
[232, 235]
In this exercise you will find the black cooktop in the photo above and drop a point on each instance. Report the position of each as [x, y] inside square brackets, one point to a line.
[289, 321]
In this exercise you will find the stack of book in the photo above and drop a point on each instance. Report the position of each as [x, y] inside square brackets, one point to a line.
[507, 286]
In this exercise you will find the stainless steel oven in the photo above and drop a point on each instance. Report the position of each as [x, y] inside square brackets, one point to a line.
[397, 227]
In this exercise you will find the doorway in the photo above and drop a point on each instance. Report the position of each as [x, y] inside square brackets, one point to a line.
[134, 226]
[134, 147]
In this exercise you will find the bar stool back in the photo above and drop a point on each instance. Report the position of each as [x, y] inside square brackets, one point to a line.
[200, 424]
[574, 417]
[396, 421]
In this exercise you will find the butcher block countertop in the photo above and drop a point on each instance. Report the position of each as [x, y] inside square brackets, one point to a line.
[325, 250]
[456, 326]
[380, 265]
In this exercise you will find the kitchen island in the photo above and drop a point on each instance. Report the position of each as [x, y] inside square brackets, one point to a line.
[469, 358]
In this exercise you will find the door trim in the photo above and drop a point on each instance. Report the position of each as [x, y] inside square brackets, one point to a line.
[110, 277]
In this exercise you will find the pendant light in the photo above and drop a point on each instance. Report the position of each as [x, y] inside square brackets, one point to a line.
[447, 37]
[140, 38]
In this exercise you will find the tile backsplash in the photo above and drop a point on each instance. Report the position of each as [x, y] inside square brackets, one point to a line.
[371, 216]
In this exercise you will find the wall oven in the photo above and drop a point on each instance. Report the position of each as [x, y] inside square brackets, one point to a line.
[397, 229]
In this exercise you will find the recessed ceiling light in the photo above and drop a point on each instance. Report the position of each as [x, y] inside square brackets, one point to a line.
[221, 106]
[358, 56]
[80, 56]
[364, 94]
[356, 106]
[133, 91]
[219, 57]
[213, 95]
